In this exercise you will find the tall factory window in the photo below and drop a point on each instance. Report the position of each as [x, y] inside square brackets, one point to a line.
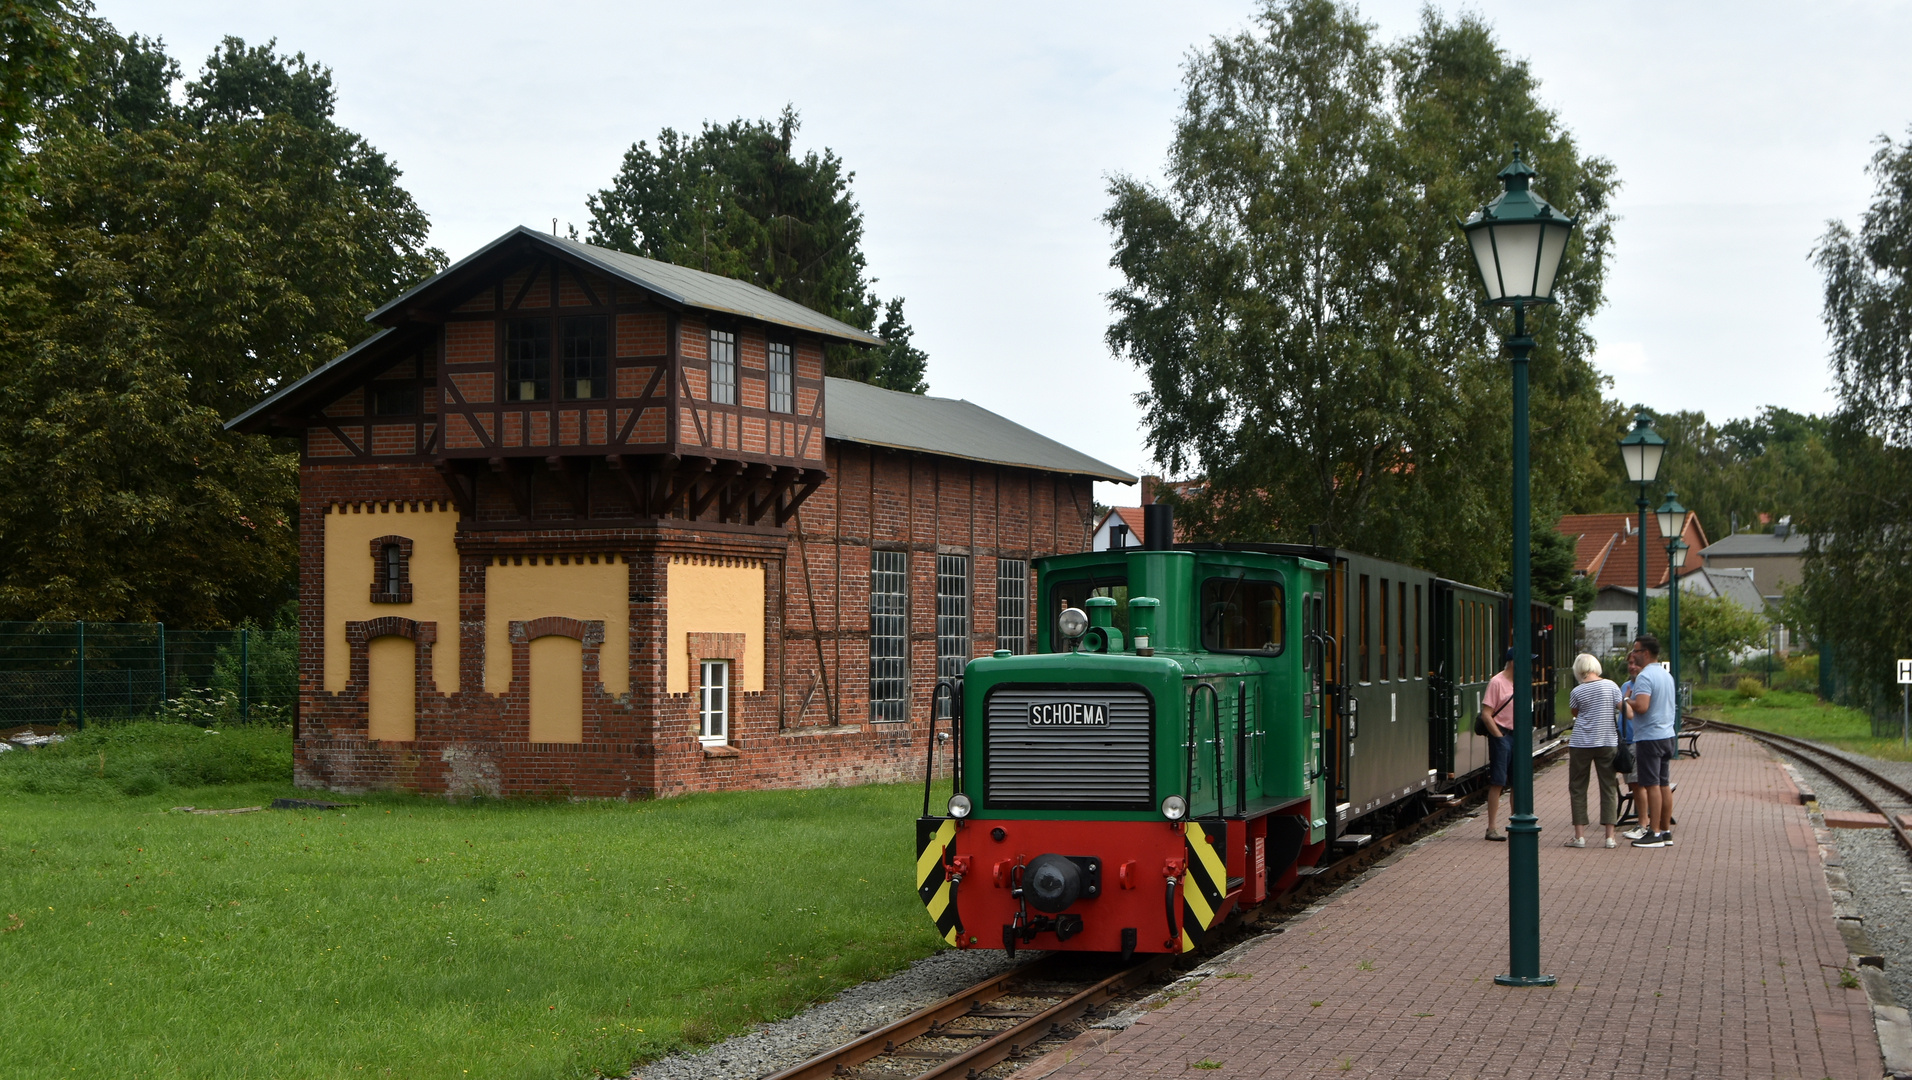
[587, 349]
[713, 703]
[527, 359]
[889, 636]
[952, 614]
[723, 367]
[1384, 630]
[1012, 605]
[1367, 601]
[782, 396]
[1400, 621]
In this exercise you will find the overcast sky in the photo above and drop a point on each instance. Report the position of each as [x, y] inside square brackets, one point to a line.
[982, 136]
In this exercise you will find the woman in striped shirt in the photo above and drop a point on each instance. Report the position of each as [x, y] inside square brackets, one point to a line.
[1596, 734]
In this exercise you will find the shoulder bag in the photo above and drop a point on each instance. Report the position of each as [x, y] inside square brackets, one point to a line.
[1623, 753]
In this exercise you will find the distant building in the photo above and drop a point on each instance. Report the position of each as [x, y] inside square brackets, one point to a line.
[1606, 550]
[574, 522]
[1776, 558]
[1122, 526]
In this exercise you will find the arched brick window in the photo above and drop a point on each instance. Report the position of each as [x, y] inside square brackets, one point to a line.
[392, 570]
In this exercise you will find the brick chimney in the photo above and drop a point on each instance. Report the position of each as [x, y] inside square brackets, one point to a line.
[1148, 489]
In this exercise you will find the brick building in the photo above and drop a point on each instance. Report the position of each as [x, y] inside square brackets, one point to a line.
[578, 522]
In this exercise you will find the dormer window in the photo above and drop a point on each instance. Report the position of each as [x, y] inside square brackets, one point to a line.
[528, 360]
[723, 367]
[587, 352]
[392, 570]
[781, 397]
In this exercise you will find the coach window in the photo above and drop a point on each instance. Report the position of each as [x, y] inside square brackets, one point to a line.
[723, 367]
[1367, 601]
[1400, 623]
[528, 360]
[587, 351]
[1384, 629]
[780, 360]
[1242, 616]
[1419, 671]
[713, 703]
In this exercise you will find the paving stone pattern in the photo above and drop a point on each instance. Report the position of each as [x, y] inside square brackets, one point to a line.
[1717, 957]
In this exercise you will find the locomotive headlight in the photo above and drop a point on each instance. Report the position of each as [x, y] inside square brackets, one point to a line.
[1073, 622]
[1175, 808]
[959, 806]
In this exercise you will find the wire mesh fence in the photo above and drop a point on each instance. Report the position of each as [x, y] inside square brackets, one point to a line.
[86, 672]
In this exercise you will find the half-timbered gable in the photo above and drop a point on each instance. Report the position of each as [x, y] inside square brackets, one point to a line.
[574, 521]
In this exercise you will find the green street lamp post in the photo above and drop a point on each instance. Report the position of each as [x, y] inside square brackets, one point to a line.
[1517, 241]
[1641, 450]
[1673, 526]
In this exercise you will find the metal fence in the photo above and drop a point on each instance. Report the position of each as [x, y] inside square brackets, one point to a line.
[86, 672]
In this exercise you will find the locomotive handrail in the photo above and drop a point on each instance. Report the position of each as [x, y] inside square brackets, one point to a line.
[953, 686]
[1241, 747]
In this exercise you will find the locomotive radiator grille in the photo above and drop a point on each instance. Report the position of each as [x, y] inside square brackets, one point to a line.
[1083, 747]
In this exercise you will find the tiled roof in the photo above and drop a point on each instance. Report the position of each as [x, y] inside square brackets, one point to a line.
[1604, 548]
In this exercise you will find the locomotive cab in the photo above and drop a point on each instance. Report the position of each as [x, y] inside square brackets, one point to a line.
[1155, 764]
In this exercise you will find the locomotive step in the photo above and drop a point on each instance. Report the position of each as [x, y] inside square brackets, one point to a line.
[1353, 840]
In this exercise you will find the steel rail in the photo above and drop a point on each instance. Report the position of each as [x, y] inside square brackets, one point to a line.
[1810, 751]
[840, 1060]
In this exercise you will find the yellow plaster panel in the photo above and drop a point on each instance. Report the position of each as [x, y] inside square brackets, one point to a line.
[392, 690]
[713, 596]
[582, 590]
[557, 689]
[349, 532]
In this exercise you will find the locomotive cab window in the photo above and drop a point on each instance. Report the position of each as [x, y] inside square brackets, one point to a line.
[1072, 592]
[1242, 616]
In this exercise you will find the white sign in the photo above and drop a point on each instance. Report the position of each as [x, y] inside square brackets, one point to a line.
[1905, 671]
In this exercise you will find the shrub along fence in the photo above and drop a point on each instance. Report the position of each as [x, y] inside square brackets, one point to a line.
[87, 672]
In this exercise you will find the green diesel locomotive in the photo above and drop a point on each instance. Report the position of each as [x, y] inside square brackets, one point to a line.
[1199, 725]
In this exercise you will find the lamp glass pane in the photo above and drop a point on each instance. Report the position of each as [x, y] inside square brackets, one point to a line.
[1643, 461]
[1671, 524]
[1678, 556]
[1519, 247]
[1484, 258]
[1553, 244]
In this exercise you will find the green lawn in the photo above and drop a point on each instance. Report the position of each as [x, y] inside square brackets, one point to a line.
[409, 937]
[1802, 716]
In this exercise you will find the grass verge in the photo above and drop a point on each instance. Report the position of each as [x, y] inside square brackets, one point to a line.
[1803, 716]
[411, 937]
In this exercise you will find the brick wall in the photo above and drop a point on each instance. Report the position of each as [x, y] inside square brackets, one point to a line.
[810, 726]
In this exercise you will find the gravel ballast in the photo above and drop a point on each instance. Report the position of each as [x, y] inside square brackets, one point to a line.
[775, 1047]
[1879, 871]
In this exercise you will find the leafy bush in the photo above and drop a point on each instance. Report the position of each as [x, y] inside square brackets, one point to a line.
[147, 757]
[1750, 688]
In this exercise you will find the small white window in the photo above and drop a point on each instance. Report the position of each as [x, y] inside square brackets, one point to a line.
[713, 709]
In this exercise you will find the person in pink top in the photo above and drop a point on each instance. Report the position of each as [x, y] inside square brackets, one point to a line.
[1497, 709]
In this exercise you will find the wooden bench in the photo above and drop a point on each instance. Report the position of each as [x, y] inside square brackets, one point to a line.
[1691, 728]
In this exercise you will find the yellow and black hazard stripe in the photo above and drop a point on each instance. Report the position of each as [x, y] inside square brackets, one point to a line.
[1205, 881]
[933, 839]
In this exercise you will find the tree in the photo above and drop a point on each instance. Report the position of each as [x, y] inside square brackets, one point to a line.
[1772, 464]
[40, 43]
[736, 200]
[1313, 331]
[1856, 583]
[179, 262]
[1713, 630]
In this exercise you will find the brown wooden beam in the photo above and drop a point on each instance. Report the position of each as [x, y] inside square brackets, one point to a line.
[464, 488]
[719, 483]
[684, 480]
[780, 483]
[520, 499]
[812, 480]
[576, 480]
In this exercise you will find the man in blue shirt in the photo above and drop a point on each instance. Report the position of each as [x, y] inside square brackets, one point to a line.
[1653, 707]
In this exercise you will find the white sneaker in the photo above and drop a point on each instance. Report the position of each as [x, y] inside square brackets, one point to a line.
[1634, 834]
[1578, 841]
[1610, 843]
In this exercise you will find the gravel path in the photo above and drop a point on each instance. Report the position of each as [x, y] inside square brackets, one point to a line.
[1879, 870]
[778, 1046]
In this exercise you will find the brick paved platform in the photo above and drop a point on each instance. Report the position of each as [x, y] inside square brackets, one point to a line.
[1717, 957]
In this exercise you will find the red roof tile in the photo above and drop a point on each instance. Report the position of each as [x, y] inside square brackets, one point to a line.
[1604, 548]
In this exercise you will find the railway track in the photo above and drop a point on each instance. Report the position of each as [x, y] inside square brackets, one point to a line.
[1004, 1017]
[1841, 769]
